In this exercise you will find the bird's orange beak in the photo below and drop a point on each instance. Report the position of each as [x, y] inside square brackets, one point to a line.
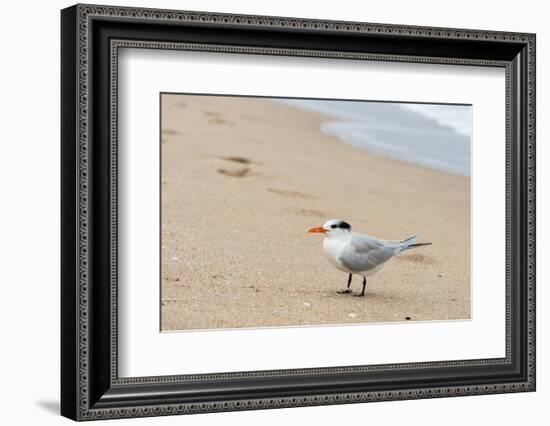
[317, 229]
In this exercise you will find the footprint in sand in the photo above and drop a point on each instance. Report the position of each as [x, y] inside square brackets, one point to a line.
[288, 193]
[236, 172]
[169, 132]
[308, 212]
[240, 168]
[241, 160]
[216, 118]
[166, 133]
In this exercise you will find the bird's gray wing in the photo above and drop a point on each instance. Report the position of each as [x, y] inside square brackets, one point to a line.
[364, 253]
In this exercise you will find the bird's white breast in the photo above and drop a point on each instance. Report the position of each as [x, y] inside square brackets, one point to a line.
[333, 248]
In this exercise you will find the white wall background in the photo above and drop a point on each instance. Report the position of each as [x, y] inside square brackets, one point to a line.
[29, 211]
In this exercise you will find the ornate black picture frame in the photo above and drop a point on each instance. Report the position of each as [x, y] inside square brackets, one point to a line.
[91, 37]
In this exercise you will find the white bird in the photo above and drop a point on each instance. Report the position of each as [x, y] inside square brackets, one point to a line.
[359, 254]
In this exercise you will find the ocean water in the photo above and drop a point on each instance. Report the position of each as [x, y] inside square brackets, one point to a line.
[431, 135]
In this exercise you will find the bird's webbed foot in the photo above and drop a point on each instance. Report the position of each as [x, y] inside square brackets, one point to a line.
[359, 295]
[344, 291]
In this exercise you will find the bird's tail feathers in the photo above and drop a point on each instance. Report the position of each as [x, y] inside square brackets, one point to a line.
[415, 245]
[410, 243]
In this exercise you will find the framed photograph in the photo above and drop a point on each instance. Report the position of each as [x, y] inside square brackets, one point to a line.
[263, 212]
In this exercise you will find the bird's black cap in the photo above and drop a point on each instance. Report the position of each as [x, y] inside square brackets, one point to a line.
[342, 225]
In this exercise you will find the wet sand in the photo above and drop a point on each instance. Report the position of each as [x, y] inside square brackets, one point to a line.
[242, 181]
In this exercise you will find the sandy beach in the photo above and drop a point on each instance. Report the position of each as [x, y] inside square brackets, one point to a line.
[242, 181]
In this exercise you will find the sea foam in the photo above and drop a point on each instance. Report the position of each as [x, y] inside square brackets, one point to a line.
[432, 135]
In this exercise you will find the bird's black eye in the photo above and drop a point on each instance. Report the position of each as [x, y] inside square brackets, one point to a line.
[333, 226]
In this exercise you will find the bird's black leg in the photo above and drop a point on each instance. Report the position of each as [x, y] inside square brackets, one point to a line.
[364, 286]
[348, 289]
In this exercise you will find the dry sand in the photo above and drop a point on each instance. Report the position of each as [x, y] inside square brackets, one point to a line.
[242, 180]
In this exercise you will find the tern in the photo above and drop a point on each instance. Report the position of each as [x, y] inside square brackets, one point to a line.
[359, 254]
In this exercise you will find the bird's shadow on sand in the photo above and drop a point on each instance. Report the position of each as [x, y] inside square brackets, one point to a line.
[51, 406]
[354, 295]
[416, 258]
